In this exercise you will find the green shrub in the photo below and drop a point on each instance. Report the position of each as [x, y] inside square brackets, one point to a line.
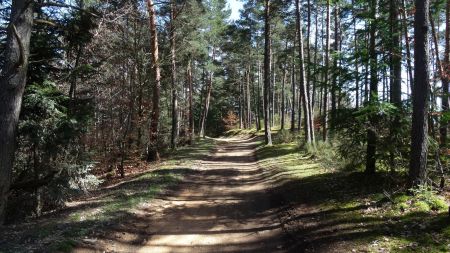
[421, 206]
[351, 126]
[284, 136]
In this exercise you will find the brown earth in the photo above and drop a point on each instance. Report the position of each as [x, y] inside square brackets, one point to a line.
[224, 205]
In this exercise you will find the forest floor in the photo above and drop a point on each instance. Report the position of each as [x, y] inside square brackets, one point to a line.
[237, 195]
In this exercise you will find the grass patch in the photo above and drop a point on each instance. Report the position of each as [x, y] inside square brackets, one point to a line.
[365, 213]
[108, 206]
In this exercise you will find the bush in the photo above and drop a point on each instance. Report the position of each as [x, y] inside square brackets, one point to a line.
[351, 128]
[284, 136]
[431, 198]
[51, 161]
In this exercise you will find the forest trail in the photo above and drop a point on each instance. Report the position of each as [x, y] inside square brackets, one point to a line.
[223, 205]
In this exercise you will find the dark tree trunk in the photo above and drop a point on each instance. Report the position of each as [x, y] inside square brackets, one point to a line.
[421, 92]
[445, 77]
[12, 85]
[355, 41]
[373, 96]
[326, 76]
[267, 71]
[396, 55]
[152, 149]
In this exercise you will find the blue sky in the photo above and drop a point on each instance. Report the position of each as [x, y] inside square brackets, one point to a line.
[235, 6]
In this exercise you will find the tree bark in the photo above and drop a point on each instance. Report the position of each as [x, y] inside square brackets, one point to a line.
[191, 108]
[326, 75]
[283, 98]
[294, 96]
[12, 85]
[174, 133]
[407, 46]
[303, 84]
[207, 99]
[396, 55]
[267, 71]
[373, 89]
[249, 107]
[445, 77]
[152, 148]
[421, 92]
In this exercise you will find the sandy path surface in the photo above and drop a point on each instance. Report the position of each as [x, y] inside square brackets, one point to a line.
[223, 205]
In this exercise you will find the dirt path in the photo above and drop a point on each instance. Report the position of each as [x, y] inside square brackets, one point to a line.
[223, 205]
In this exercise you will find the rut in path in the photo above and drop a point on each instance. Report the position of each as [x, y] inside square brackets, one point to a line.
[223, 205]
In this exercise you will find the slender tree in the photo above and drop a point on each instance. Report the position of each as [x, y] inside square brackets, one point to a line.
[152, 148]
[373, 95]
[421, 93]
[445, 77]
[267, 71]
[303, 82]
[174, 134]
[326, 75]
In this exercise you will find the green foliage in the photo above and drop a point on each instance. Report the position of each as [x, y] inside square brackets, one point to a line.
[392, 129]
[49, 148]
[428, 196]
[284, 136]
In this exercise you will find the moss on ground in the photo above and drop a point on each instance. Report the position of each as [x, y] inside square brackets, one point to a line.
[360, 213]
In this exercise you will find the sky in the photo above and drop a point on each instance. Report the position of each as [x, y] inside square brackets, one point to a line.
[235, 6]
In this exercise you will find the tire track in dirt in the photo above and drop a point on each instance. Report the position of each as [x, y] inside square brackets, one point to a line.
[223, 205]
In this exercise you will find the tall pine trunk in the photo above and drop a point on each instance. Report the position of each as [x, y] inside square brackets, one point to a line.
[445, 77]
[12, 85]
[249, 107]
[174, 134]
[303, 81]
[326, 75]
[421, 93]
[373, 91]
[267, 71]
[191, 104]
[152, 149]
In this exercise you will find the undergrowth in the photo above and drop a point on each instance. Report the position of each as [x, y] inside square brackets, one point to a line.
[365, 213]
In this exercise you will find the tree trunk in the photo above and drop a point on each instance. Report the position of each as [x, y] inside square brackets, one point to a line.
[191, 108]
[355, 41]
[283, 98]
[445, 77]
[373, 96]
[326, 75]
[407, 46]
[421, 92]
[334, 72]
[152, 149]
[294, 96]
[12, 85]
[303, 85]
[396, 55]
[267, 71]
[174, 134]
[258, 99]
[207, 100]
[249, 107]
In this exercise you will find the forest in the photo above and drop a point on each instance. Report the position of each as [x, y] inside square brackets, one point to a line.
[201, 126]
